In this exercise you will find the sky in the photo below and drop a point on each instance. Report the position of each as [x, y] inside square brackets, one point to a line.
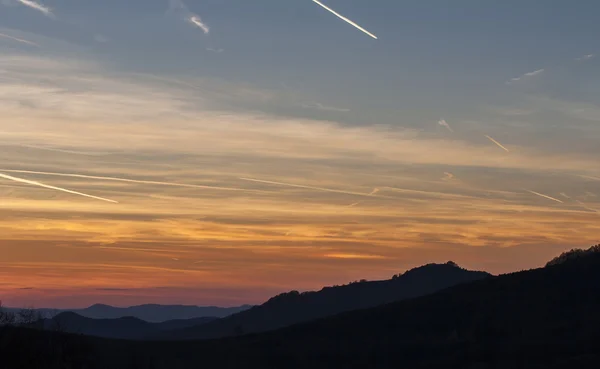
[218, 152]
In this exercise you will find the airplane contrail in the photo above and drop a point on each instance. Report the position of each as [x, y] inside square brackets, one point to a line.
[545, 196]
[497, 143]
[116, 179]
[19, 40]
[37, 6]
[345, 19]
[34, 183]
[312, 188]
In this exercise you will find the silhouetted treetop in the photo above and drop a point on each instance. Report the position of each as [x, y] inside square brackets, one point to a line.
[573, 254]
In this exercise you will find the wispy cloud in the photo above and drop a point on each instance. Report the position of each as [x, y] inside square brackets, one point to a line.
[443, 123]
[179, 7]
[345, 19]
[308, 187]
[323, 107]
[30, 43]
[526, 75]
[195, 20]
[39, 184]
[586, 57]
[37, 6]
[353, 256]
[218, 51]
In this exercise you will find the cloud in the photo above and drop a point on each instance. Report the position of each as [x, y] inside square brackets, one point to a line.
[195, 20]
[37, 6]
[526, 75]
[345, 19]
[181, 10]
[443, 123]
[319, 106]
[30, 43]
[218, 51]
[585, 57]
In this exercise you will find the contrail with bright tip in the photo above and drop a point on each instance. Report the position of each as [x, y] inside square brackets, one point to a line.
[139, 181]
[34, 183]
[345, 19]
[497, 143]
[545, 196]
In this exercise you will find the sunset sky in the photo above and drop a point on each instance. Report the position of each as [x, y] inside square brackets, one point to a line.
[218, 152]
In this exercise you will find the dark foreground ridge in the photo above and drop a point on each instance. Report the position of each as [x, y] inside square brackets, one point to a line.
[543, 318]
[295, 307]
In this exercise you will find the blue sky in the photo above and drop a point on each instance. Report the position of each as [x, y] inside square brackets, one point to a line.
[280, 139]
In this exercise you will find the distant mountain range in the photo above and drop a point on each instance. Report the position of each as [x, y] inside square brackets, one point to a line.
[122, 328]
[541, 318]
[294, 307]
[158, 313]
[150, 313]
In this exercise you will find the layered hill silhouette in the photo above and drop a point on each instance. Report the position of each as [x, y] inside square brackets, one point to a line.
[158, 313]
[122, 328]
[294, 307]
[542, 318]
[152, 313]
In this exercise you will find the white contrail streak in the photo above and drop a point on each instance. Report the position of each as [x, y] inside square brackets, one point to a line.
[545, 196]
[497, 143]
[195, 20]
[37, 6]
[34, 183]
[345, 19]
[311, 187]
[116, 179]
[18, 40]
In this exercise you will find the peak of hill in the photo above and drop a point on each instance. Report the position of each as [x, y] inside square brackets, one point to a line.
[296, 307]
[573, 255]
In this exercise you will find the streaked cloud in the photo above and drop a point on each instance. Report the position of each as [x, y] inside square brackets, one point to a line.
[37, 6]
[353, 256]
[195, 20]
[345, 19]
[586, 57]
[39, 184]
[322, 107]
[17, 39]
[526, 75]
[218, 51]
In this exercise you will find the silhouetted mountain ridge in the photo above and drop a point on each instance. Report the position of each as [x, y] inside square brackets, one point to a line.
[295, 307]
[123, 328]
[544, 318]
